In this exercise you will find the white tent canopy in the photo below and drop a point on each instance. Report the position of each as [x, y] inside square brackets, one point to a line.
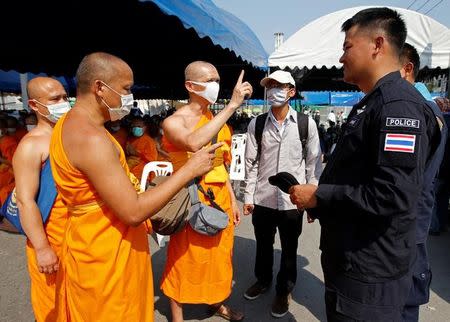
[320, 42]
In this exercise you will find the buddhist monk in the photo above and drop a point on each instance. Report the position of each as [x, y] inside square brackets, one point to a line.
[118, 132]
[141, 148]
[8, 146]
[199, 268]
[43, 239]
[105, 272]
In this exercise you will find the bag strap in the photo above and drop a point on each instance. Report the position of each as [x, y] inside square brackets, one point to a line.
[209, 194]
[302, 123]
[259, 128]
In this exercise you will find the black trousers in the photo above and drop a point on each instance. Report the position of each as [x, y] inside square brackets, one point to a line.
[289, 223]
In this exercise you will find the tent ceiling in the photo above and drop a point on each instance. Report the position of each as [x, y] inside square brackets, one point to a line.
[320, 42]
[157, 46]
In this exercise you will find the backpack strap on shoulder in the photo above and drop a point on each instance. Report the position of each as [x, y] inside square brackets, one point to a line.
[259, 128]
[303, 123]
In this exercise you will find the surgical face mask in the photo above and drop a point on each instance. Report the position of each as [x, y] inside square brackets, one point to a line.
[115, 128]
[11, 130]
[55, 110]
[124, 109]
[137, 131]
[210, 92]
[277, 96]
[30, 127]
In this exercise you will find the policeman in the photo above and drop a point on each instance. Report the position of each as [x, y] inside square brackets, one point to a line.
[421, 274]
[367, 195]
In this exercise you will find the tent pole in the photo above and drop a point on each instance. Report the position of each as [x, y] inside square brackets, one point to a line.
[23, 87]
[3, 101]
[266, 109]
[448, 78]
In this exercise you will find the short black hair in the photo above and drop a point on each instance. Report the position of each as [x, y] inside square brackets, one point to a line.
[410, 54]
[388, 20]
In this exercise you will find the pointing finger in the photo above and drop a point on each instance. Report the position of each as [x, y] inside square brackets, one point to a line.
[213, 147]
[241, 77]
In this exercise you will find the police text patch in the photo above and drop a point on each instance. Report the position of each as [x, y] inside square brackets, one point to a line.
[400, 143]
[402, 122]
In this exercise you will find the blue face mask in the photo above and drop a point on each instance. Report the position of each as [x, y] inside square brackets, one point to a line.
[137, 131]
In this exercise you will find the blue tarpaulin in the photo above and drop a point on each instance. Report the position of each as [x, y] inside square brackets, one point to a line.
[345, 98]
[10, 81]
[315, 98]
[223, 28]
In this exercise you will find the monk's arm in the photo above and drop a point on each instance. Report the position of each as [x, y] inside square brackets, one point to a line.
[27, 169]
[115, 188]
[184, 138]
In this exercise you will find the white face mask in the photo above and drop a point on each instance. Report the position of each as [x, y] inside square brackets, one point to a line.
[277, 96]
[125, 107]
[55, 110]
[210, 92]
[30, 127]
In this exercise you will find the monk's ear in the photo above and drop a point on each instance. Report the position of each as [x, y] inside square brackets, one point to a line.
[189, 86]
[98, 87]
[32, 104]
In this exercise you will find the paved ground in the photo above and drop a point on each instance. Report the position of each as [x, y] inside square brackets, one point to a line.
[307, 303]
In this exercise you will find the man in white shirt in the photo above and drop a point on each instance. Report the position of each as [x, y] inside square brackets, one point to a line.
[280, 151]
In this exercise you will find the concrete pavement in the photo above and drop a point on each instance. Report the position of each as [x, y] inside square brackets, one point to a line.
[307, 299]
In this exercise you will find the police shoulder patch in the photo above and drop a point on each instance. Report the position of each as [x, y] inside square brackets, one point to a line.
[402, 122]
[395, 142]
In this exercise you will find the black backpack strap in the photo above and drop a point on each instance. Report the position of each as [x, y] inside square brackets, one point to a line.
[302, 123]
[259, 128]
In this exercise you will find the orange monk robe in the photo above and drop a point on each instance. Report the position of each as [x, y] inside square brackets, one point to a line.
[198, 267]
[228, 134]
[121, 136]
[8, 145]
[105, 272]
[145, 146]
[43, 286]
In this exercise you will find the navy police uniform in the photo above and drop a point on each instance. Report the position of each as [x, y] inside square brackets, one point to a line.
[421, 273]
[367, 202]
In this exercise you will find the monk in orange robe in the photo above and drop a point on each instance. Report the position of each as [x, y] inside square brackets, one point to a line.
[43, 239]
[199, 268]
[105, 272]
[141, 148]
[118, 132]
[8, 146]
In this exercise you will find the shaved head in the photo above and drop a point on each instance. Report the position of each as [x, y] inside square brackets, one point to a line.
[40, 86]
[99, 66]
[197, 69]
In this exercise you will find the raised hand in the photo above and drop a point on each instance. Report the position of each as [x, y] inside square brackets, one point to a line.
[241, 91]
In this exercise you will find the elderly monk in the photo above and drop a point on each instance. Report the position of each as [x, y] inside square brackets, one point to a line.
[199, 268]
[43, 239]
[105, 272]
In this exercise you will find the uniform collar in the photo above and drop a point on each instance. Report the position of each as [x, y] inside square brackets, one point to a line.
[392, 76]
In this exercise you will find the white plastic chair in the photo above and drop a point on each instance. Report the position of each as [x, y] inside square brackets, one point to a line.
[160, 168]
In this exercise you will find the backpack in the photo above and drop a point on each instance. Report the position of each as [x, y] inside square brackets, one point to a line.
[302, 123]
[45, 199]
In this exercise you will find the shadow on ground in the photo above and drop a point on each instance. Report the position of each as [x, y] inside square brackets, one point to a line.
[307, 295]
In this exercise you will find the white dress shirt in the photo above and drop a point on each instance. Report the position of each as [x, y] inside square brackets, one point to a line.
[281, 151]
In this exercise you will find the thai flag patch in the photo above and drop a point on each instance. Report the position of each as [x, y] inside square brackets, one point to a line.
[400, 143]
